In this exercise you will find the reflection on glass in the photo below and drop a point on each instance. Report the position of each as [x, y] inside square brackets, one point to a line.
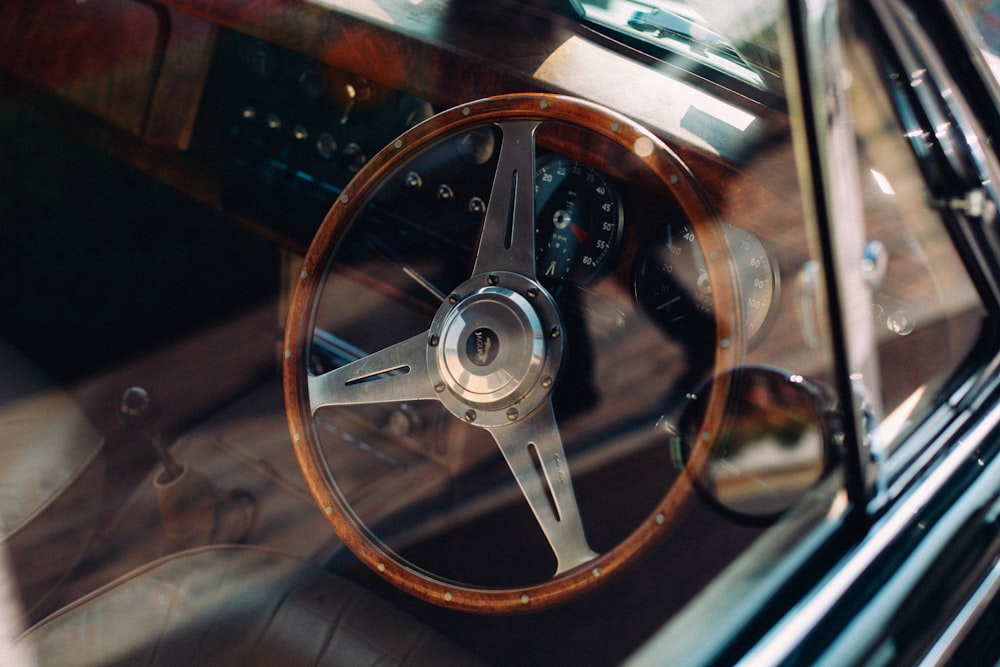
[770, 448]
[925, 308]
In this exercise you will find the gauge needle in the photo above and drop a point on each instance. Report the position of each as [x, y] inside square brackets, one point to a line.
[387, 252]
[580, 233]
[668, 303]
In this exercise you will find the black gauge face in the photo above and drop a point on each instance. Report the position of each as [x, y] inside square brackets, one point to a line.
[578, 220]
[672, 281]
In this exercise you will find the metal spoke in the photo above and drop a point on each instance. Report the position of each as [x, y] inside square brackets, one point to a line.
[508, 239]
[397, 373]
[533, 449]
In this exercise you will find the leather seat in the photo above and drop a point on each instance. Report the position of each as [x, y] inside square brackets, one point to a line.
[236, 605]
[51, 477]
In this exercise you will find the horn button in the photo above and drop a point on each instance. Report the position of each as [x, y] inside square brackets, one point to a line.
[496, 346]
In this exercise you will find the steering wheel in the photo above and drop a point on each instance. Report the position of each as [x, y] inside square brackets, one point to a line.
[494, 351]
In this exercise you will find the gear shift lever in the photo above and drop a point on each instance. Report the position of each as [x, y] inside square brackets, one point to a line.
[139, 413]
[193, 511]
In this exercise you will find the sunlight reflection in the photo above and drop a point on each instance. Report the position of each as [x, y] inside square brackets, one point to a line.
[366, 8]
[582, 66]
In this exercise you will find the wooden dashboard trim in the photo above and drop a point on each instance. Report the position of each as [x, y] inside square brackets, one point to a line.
[445, 51]
[178, 90]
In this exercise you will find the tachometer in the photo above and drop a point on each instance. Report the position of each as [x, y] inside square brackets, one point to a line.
[578, 220]
[672, 284]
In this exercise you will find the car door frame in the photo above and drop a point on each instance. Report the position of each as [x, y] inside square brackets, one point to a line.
[894, 557]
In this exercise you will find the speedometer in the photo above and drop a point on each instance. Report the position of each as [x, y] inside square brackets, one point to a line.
[671, 280]
[578, 220]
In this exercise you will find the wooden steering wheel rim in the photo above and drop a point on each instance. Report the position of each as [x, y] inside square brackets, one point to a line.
[667, 168]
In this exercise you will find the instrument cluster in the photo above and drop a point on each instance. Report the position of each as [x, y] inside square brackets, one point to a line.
[588, 224]
[581, 215]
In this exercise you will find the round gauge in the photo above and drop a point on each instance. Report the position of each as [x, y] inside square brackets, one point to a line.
[578, 220]
[672, 282]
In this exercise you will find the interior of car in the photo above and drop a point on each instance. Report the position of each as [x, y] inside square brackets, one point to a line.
[439, 331]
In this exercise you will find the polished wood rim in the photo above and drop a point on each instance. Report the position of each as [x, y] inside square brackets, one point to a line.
[664, 165]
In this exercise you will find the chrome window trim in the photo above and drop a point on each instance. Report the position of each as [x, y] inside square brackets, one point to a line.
[950, 640]
[751, 583]
[942, 425]
[794, 629]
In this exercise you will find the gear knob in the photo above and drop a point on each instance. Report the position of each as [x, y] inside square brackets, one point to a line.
[137, 409]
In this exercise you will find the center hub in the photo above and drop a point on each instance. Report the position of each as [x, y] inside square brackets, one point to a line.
[483, 347]
[491, 344]
[496, 353]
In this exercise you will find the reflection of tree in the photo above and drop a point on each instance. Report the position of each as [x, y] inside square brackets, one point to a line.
[769, 448]
[766, 405]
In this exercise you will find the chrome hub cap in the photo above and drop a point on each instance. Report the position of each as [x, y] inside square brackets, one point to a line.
[495, 349]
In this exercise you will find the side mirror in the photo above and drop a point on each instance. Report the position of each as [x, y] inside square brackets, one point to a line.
[774, 443]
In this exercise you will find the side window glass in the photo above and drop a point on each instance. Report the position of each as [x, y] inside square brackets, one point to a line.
[926, 310]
